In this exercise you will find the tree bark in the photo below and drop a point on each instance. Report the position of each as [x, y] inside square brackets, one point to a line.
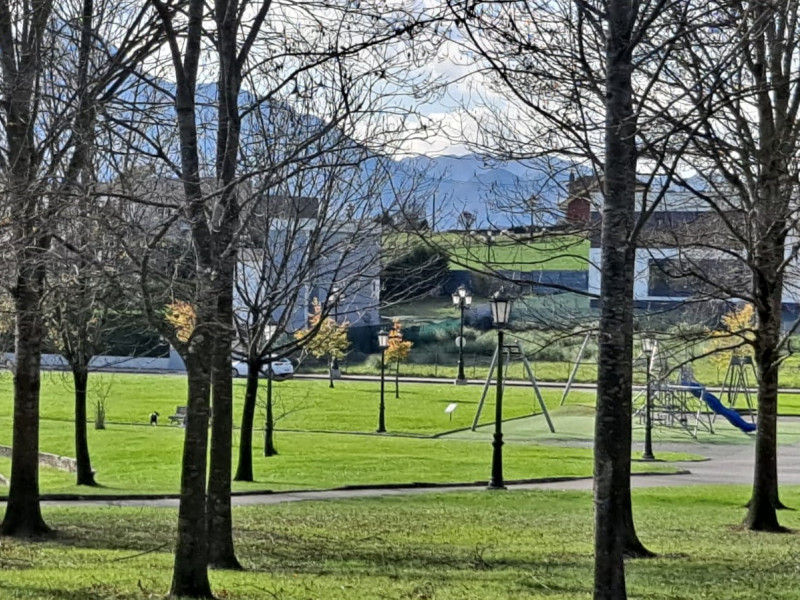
[612, 444]
[220, 518]
[768, 290]
[269, 425]
[244, 469]
[23, 517]
[397, 381]
[21, 66]
[190, 573]
[85, 476]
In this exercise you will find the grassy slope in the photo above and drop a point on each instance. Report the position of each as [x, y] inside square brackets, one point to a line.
[567, 252]
[518, 545]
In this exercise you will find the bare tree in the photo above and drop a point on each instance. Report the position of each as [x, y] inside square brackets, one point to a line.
[51, 94]
[572, 74]
[737, 74]
[313, 233]
[311, 52]
[79, 316]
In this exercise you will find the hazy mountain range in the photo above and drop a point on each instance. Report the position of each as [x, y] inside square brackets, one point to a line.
[497, 193]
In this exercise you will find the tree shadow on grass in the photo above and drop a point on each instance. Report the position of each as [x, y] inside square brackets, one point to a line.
[95, 591]
[284, 552]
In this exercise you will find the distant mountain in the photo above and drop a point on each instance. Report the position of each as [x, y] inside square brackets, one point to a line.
[498, 194]
[439, 189]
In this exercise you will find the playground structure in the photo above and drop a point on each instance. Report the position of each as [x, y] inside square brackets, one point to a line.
[512, 351]
[682, 402]
[689, 405]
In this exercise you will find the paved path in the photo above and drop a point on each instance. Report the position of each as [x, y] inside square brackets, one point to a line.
[726, 465]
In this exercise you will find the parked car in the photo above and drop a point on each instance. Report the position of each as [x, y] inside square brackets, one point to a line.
[279, 368]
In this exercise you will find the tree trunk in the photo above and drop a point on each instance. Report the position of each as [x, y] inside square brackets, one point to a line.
[244, 470]
[220, 518]
[612, 444]
[397, 381]
[23, 517]
[190, 573]
[22, 32]
[80, 377]
[768, 291]
[269, 425]
[632, 547]
[330, 373]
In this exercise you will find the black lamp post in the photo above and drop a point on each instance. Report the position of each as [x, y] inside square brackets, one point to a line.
[269, 426]
[334, 297]
[501, 311]
[648, 347]
[462, 299]
[383, 344]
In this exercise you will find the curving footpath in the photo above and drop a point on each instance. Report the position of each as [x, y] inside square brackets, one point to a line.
[726, 465]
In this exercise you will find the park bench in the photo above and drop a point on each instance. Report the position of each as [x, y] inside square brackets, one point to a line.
[179, 418]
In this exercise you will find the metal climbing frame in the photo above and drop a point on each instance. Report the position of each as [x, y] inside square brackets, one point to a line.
[513, 350]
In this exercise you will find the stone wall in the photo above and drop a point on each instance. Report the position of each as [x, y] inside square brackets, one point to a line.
[62, 463]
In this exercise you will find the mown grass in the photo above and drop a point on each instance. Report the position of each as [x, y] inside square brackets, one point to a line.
[300, 404]
[477, 367]
[511, 254]
[132, 457]
[508, 545]
[506, 252]
[133, 462]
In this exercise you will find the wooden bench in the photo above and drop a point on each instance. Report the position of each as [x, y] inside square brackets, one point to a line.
[179, 418]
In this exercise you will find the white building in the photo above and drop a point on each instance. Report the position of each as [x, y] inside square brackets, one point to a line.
[687, 255]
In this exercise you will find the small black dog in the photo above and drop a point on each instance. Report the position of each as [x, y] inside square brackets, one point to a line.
[154, 418]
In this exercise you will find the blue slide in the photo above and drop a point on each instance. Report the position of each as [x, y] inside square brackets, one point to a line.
[715, 404]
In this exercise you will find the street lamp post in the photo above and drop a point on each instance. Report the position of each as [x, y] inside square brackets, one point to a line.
[462, 299]
[335, 297]
[648, 347]
[501, 311]
[269, 445]
[383, 344]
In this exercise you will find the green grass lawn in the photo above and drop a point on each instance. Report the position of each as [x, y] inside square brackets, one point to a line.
[512, 254]
[705, 372]
[315, 452]
[575, 424]
[351, 406]
[494, 546]
[131, 460]
[476, 368]
[507, 252]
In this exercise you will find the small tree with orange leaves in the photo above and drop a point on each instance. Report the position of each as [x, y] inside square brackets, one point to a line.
[182, 317]
[324, 337]
[397, 351]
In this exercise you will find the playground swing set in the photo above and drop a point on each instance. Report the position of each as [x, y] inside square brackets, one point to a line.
[512, 351]
[685, 403]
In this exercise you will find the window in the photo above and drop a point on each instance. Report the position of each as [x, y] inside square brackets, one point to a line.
[684, 278]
